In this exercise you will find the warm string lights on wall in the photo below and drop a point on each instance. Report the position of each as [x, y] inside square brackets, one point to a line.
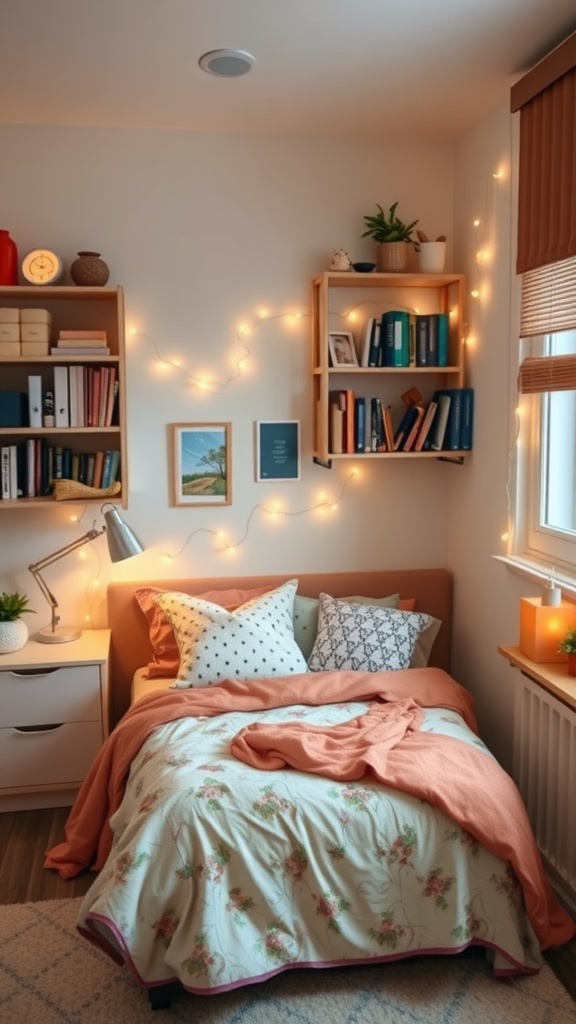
[214, 385]
[274, 511]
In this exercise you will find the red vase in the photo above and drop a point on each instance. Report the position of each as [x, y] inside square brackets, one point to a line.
[8, 259]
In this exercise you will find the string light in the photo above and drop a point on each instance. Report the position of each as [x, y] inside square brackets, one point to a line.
[202, 381]
[273, 511]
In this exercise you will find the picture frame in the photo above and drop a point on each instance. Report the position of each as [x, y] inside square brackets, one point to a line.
[277, 450]
[342, 349]
[201, 464]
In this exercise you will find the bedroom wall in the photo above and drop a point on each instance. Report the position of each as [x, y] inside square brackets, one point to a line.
[204, 232]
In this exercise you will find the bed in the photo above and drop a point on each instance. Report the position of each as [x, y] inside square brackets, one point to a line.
[298, 782]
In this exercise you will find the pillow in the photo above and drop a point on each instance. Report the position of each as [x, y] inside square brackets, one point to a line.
[256, 640]
[166, 657]
[364, 637]
[306, 617]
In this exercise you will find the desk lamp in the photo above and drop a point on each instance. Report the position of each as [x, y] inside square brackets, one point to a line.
[122, 543]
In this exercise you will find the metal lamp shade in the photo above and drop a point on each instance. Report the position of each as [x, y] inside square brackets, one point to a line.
[122, 541]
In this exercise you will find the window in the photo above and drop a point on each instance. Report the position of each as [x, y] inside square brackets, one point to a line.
[546, 494]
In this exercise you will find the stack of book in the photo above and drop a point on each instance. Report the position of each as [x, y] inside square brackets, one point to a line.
[28, 469]
[401, 339]
[359, 424]
[81, 343]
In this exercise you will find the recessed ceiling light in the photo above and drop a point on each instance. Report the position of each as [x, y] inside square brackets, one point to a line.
[226, 63]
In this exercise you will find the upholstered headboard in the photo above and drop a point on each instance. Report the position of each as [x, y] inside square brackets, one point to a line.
[131, 648]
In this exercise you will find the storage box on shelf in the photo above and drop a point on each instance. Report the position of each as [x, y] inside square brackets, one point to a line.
[66, 309]
[337, 294]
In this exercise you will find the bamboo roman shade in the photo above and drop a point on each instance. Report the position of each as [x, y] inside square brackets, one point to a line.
[548, 305]
[546, 99]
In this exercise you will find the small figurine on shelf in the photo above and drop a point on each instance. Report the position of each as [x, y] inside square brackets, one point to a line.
[340, 260]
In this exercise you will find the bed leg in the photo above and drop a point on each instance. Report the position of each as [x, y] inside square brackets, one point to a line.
[160, 997]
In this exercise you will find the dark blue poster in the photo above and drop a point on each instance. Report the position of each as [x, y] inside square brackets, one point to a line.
[278, 450]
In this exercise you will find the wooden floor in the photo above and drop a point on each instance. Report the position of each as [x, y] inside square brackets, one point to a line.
[26, 835]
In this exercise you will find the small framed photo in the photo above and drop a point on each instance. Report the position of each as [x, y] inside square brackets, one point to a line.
[277, 450]
[341, 348]
[201, 463]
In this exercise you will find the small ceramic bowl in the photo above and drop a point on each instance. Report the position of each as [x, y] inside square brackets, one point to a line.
[363, 268]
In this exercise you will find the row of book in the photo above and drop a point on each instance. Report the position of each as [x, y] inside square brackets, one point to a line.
[359, 424]
[83, 396]
[29, 468]
[401, 339]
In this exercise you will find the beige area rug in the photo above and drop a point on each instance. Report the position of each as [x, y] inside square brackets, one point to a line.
[50, 975]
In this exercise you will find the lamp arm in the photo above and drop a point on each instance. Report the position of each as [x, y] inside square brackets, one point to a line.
[36, 568]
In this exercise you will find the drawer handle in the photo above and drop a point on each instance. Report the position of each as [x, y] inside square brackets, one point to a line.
[33, 672]
[31, 730]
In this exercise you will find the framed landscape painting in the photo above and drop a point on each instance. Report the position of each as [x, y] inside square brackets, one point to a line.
[201, 463]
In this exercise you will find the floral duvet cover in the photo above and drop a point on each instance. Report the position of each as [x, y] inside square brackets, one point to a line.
[221, 874]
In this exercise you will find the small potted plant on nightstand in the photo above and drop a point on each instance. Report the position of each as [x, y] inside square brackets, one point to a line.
[568, 645]
[13, 629]
[392, 235]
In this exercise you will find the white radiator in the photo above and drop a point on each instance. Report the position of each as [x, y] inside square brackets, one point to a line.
[545, 773]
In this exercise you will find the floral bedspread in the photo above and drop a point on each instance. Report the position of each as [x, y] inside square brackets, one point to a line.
[221, 874]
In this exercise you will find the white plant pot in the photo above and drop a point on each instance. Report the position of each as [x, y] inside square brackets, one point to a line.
[13, 636]
[432, 257]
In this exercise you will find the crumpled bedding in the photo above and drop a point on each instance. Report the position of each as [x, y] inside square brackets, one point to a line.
[222, 872]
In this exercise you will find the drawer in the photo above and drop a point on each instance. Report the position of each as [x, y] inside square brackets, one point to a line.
[50, 695]
[53, 756]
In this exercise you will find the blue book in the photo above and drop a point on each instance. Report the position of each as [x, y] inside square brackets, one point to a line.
[451, 440]
[405, 426]
[442, 339]
[397, 344]
[360, 425]
[422, 332]
[467, 419]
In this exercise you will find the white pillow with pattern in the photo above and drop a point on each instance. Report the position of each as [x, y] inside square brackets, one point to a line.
[254, 641]
[364, 638]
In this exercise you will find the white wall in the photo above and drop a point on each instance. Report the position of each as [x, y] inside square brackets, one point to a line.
[487, 594]
[203, 231]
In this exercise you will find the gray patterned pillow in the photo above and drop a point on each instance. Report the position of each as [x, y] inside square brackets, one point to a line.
[363, 637]
[256, 640]
[306, 616]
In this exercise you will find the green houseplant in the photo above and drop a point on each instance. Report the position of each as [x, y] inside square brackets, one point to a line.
[13, 629]
[568, 646]
[392, 236]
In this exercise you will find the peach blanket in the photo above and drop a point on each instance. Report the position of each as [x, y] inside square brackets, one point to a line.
[385, 740]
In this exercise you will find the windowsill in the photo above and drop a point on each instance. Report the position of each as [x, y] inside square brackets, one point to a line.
[539, 574]
[553, 677]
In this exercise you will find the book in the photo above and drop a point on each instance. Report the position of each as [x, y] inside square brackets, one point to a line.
[337, 404]
[61, 408]
[13, 470]
[349, 423]
[451, 440]
[359, 425]
[432, 341]
[367, 340]
[388, 429]
[397, 338]
[375, 357]
[467, 419]
[425, 426]
[422, 332]
[34, 400]
[104, 351]
[73, 396]
[114, 471]
[440, 420]
[443, 338]
[414, 430]
[377, 435]
[405, 426]
[80, 338]
[5, 472]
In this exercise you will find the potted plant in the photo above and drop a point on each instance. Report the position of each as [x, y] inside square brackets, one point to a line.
[13, 629]
[392, 237]
[568, 646]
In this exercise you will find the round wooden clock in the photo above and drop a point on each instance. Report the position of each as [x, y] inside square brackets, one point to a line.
[41, 266]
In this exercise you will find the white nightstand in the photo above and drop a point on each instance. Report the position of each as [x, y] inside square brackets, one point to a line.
[53, 719]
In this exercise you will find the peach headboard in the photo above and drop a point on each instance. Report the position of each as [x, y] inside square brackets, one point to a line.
[432, 589]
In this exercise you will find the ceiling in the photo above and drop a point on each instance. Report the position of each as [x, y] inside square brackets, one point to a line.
[346, 69]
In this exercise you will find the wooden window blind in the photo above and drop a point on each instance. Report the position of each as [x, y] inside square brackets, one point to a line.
[548, 305]
[546, 99]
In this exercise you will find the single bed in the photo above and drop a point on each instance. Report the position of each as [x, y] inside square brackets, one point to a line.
[304, 786]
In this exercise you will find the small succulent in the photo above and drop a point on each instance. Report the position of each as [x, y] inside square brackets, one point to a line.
[12, 606]
[387, 227]
[568, 642]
